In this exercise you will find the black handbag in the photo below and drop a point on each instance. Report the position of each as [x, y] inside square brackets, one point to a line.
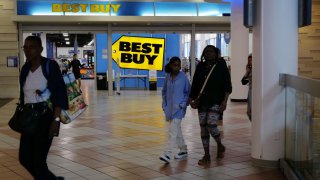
[25, 120]
[244, 80]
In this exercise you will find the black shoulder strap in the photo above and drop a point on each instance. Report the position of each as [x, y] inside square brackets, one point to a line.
[46, 68]
[205, 82]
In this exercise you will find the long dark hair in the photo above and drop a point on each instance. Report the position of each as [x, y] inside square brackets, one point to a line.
[167, 68]
[207, 47]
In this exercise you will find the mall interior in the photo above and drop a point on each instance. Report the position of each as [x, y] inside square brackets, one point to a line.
[123, 130]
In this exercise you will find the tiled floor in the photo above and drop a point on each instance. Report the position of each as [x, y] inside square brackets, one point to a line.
[121, 137]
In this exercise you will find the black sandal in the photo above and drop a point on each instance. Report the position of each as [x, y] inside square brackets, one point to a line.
[205, 160]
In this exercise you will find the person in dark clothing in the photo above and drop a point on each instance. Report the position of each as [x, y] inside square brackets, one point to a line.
[213, 100]
[75, 65]
[247, 79]
[36, 89]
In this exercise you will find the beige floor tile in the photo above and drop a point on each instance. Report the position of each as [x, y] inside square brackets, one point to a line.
[121, 137]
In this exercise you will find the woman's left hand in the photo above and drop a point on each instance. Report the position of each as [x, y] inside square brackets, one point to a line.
[223, 107]
[54, 129]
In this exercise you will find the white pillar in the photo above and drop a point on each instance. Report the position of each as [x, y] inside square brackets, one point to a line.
[275, 50]
[54, 51]
[43, 37]
[192, 48]
[110, 69]
[239, 51]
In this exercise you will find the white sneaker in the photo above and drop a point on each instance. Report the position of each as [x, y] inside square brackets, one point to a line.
[181, 155]
[165, 158]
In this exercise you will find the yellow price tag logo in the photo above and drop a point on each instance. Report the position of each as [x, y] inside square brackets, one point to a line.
[139, 52]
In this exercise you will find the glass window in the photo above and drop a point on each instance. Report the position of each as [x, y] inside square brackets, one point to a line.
[176, 9]
[224, 47]
[198, 51]
[211, 41]
[213, 9]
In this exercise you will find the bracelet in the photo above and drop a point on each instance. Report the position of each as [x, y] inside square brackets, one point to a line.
[57, 119]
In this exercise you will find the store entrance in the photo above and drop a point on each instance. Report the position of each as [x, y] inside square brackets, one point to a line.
[92, 51]
[61, 47]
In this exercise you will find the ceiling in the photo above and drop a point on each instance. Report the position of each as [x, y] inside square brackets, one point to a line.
[60, 40]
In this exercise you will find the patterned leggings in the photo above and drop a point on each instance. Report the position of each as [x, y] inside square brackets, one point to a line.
[208, 118]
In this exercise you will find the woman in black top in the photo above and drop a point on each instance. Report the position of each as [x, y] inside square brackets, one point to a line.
[213, 100]
[36, 87]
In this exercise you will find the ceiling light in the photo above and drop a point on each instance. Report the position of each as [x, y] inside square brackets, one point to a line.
[67, 42]
[67, 39]
[65, 34]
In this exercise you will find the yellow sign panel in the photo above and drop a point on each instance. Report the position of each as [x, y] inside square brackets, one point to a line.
[138, 52]
[94, 8]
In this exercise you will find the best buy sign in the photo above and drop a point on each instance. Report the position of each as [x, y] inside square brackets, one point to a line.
[138, 52]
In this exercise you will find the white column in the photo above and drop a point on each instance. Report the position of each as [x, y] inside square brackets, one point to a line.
[110, 74]
[43, 37]
[54, 51]
[192, 48]
[239, 51]
[275, 50]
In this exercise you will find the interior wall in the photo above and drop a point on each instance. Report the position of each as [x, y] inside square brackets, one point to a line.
[309, 45]
[8, 47]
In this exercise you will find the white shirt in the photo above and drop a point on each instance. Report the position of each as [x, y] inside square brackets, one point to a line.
[35, 81]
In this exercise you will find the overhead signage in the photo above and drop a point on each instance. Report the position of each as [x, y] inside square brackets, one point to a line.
[119, 8]
[139, 52]
[93, 8]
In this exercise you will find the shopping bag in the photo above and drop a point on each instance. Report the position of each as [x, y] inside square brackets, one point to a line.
[75, 100]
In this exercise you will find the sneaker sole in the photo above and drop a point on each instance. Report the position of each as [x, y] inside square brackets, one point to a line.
[163, 159]
[182, 157]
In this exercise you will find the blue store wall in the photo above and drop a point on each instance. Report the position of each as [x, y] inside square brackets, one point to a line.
[172, 48]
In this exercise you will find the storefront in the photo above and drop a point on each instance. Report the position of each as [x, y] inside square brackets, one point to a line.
[186, 28]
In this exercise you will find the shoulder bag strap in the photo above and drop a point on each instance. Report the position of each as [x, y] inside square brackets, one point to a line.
[205, 82]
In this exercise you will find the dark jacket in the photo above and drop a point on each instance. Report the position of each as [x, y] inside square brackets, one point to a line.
[218, 84]
[75, 65]
[56, 83]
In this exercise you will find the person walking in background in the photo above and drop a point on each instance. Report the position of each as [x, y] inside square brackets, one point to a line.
[213, 99]
[247, 79]
[175, 94]
[36, 87]
[75, 65]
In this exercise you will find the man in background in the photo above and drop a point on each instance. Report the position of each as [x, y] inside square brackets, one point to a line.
[75, 65]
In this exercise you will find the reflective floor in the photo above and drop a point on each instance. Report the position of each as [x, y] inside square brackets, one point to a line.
[121, 137]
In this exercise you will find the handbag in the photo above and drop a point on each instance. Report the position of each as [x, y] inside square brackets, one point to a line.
[195, 103]
[244, 80]
[25, 120]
